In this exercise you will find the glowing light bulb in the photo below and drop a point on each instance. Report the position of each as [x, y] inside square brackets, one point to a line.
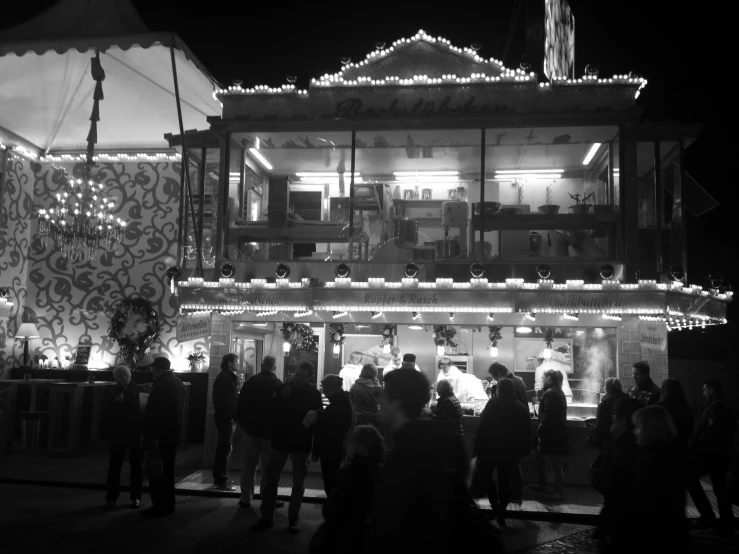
[286, 348]
[386, 348]
[439, 350]
[547, 355]
[493, 351]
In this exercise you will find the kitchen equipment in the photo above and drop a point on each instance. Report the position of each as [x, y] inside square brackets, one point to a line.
[454, 215]
[408, 194]
[406, 232]
[549, 209]
[490, 209]
[426, 194]
[510, 211]
[423, 254]
[452, 194]
[446, 248]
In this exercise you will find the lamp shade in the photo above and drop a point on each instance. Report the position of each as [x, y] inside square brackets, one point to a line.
[27, 331]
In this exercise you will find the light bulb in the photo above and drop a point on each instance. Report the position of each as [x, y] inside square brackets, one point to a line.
[493, 351]
[286, 347]
[386, 348]
[547, 355]
[439, 350]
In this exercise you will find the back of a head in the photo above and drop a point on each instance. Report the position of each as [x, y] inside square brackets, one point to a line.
[672, 392]
[560, 377]
[307, 367]
[506, 388]
[369, 371]
[444, 388]
[715, 385]
[654, 425]
[642, 367]
[332, 383]
[613, 386]
[122, 373]
[269, 363]
[551, 374]
[498, 370]
[410, 388]
[368, 440]
[409, 358]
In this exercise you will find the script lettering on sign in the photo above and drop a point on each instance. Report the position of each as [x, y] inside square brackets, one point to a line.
[354, 108]
[653, 335]
[251, 299]
[402, 299]
[575, 302]
[191, 328]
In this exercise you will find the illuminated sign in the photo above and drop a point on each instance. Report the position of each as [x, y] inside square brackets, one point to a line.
[559, 42]
[653, 335]
[354, 108]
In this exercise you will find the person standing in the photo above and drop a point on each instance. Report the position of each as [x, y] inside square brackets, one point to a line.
[256, 419]
[290, 438]
[225, 400]
[365, 393]
[449, 372]
[332, 427]
[448, 409]
[672, 398]
[503, 438]
[711, 452]
[350, 372]
[162, 430]
[604, 414]
[551, 446]
[396, 362]
[123, 415]
[498, 371]
[644, 388]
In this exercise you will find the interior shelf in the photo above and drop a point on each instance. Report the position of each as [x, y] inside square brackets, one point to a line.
[420, 203]
[524, 222]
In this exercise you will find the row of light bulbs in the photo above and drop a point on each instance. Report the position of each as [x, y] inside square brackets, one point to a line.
[103, 157]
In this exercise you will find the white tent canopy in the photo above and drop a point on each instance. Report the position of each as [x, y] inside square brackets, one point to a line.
[46, 88]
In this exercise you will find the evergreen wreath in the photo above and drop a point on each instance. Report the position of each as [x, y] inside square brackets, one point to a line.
[548, 336]
[132, 349]
[444, 336]
[336, 332]
[494, 335]
[301, 336]
[388, 335]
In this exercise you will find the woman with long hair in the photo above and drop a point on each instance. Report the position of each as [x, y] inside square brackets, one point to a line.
[364, 393]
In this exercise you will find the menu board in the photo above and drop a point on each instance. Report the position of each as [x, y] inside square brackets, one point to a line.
[82, 356]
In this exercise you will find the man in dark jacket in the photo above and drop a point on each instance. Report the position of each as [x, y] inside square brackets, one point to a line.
[123, 416]
[504, 436]
[421, 499]
[604, 414]
[498, 371]
[162, 430]
[256, 420]
[332, 428]
[711, 454]
[644, 390]
[225, 399]
[290, 438]
[551, 435]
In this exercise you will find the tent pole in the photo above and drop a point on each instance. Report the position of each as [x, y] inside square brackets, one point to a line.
[198, 243]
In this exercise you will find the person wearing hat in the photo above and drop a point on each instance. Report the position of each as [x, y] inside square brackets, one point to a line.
[397, 361]
[162, 430]
[449, 372]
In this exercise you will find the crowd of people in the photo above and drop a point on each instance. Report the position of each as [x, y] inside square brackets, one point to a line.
[395, 465]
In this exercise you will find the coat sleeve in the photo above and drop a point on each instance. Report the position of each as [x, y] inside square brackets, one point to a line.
[220, 400]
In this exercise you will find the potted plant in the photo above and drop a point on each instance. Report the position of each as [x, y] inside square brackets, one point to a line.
[549, 208]
[196, 358]
[581, 207]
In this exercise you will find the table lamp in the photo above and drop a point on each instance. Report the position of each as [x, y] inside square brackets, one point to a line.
[27, 331]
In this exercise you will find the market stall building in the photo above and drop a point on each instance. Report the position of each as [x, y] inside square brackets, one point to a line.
[350, 217]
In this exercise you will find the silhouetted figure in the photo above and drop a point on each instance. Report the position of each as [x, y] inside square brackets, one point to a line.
[673, 400]
[225, 400]
[421, 501]
[162, 431]
[645, 493]
[346, 511]
[711, 454]
[332, 427]
[256, 418]
[498, 371]
[551, 436]
[123, 415]
[503, 438]
[448, 409]
[365, 392]
[290, 438]
[644, 389]
[604, 414]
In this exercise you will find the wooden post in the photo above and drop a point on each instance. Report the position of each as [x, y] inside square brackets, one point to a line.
[482, 197]
[223, 183]
[658, 195]
[351, 197]
[629, 204]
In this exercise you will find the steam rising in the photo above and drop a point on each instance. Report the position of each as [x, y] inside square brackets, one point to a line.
[597, 362]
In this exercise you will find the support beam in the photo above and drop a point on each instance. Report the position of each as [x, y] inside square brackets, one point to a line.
[482, 198]
[658, 208]
[629, 203]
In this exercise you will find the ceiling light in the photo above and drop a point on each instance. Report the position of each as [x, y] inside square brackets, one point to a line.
[261, 159]
[531, 316]
[591, 153]
[416, 315]
[259, 324]
[526, 171]
[335, 174]
[523, 330]
[375, 315]
[326, 180]
[530, 176]
[425, 173]
[427, 179]
[340, 314]
[415, 327]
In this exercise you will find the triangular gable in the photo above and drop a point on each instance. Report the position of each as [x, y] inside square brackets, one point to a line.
[421, 57]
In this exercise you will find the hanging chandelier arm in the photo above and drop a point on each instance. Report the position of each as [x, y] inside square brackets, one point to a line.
[198, 239]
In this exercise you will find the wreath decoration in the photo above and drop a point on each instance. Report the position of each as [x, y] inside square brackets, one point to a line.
[494, 335]
[388, 335]
[336, 334]
[134, 348]
[548, 337]
[444, 336]
[301, 336]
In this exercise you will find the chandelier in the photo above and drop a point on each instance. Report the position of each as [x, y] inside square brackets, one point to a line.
[80, 222]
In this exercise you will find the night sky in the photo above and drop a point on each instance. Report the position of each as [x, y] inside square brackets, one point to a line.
[681, 51]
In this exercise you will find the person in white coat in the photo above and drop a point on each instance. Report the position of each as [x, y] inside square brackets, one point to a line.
[449, 372]
[350, 372]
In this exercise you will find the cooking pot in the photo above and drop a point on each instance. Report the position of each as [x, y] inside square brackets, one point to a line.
[406, 232]
[490, 209]
[446, 248]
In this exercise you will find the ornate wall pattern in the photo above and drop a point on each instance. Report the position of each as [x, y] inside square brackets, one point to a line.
[16, 211]
[70, 303]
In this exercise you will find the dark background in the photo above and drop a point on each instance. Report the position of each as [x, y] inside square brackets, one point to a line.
[686, 53]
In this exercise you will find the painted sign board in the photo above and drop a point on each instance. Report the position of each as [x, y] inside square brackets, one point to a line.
[194, 327]
[653, 335]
